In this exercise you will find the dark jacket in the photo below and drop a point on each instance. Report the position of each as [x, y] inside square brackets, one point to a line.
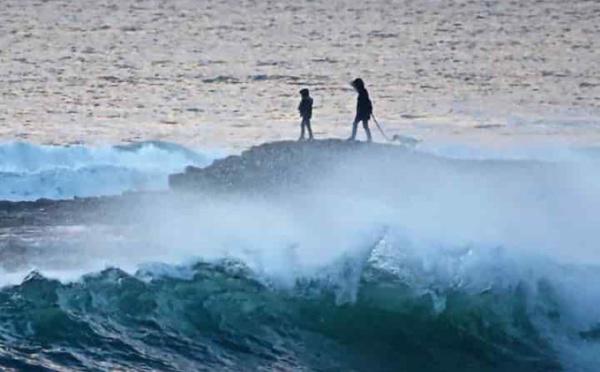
[305, 107]
[364, 107]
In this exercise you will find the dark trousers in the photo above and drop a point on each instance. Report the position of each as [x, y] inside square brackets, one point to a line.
[305, 124]
[365, 126]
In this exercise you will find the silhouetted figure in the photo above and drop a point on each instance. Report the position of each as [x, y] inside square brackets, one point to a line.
[364, 109]
[305, 109]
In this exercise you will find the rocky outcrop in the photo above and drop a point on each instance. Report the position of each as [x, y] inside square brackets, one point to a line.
[278, 165]
[47, 212]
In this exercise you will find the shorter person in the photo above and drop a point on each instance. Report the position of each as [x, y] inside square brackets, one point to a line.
[305, 109]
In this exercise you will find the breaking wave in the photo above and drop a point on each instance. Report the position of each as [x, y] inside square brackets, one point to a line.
[410, 263]
[390, 308]
[29, 172]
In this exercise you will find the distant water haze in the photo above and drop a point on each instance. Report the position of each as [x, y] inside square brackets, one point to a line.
[227, 73]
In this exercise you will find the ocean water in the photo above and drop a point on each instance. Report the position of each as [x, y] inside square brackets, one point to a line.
[447, 265]
[227, 73]
[484, 259]
[31, 172]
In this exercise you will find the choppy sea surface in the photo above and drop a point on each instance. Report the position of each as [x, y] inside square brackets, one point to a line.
[486, 260]
[465, 263]
[227, 73]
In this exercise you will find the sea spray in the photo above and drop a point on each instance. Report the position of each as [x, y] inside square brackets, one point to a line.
[420, 263]
[29, 172]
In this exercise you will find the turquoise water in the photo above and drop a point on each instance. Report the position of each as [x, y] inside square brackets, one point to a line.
[428, 263]
[221, 318]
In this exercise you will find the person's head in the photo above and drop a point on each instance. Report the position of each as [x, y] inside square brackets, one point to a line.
[358, 84]
[304, 92]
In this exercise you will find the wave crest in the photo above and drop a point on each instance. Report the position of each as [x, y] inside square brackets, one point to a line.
[29, 172]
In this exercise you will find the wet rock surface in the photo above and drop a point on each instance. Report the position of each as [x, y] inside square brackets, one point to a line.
[268, 169]
[279, 165]
[46, 212]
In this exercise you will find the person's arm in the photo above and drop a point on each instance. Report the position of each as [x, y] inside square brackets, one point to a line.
[305, 107]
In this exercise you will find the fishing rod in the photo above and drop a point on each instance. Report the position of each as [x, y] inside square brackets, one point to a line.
[380, 128]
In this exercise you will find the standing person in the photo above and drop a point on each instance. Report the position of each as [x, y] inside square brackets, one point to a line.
[305, 109]
[364, 109]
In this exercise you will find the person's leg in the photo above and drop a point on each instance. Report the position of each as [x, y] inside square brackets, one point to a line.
[367, 130]
[310, 134]
[354, 127]
[301, 130]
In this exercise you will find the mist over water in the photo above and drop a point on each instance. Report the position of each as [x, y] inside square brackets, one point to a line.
[474, 250]
[30, 172]
[425, 240]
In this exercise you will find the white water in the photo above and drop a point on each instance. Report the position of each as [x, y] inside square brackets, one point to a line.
[552, 211]
[30, 172]
[435, 225]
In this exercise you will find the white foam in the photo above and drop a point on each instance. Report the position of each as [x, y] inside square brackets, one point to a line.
[488, 225]
[29, 172]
